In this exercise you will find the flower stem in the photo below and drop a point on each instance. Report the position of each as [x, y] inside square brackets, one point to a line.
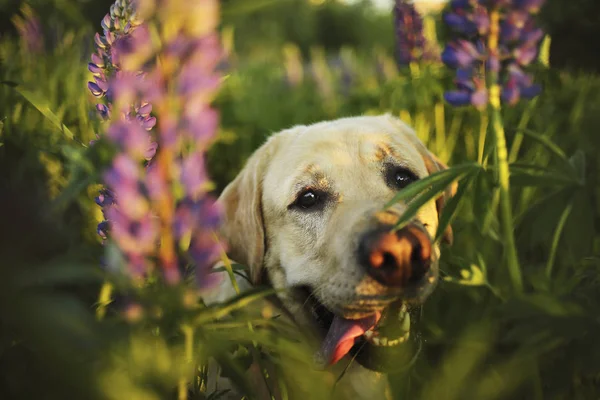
[514, 270]
[188, 334]
[165, 212]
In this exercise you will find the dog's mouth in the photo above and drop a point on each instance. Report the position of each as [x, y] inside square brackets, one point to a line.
[372, 339]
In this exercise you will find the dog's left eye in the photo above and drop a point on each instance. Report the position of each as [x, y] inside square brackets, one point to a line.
[399, 177]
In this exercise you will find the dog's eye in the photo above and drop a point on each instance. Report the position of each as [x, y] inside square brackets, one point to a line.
[309, 199]
[399, 178]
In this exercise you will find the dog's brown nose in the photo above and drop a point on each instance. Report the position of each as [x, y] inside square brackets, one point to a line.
[400, 258]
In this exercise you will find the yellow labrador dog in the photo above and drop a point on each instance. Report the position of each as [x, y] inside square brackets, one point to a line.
[306, 215]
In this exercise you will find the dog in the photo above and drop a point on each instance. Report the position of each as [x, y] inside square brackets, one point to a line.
[307, 216]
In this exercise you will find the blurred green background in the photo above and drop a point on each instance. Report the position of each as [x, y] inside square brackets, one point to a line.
[291, 62]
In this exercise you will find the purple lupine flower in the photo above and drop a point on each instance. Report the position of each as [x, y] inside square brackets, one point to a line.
[156, 201]
[411, 45]
[30, 30]
[471, 89]
[117, 25]
[120, 29]
[518, 45]
[135, 237]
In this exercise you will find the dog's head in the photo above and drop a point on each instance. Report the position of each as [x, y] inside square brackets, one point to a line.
[307, 212]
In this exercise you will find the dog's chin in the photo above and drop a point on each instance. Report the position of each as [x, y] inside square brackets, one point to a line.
[381, 342]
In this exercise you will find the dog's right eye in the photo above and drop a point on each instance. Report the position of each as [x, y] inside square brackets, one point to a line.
[308, 199]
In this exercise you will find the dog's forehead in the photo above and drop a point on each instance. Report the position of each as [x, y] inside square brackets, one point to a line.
[337, 148]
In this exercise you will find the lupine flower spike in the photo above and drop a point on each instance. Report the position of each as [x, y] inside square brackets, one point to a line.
[411, 44]
[30, 30]
[118, 26]
[494, 40]
[496, 37]
[156, 201]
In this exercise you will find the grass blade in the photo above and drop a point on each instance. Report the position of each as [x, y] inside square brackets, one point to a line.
[448, 175]
[42, 105]
[546, 142]
[524, 176]
[452, 205]
[431, 192]
[556, 239]
[237, 303]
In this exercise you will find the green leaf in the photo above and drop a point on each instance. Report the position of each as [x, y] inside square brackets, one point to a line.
[520, 176]
[556, 239]
[432, 189]
[446, 176]
[234, 267]
[527, 166]
[231, 370]
[238, 269]
[483, 201]
[536, 224]
[577, 161]
[86, 167]
[546, 142]
[236, 303]
[42, 105]
[452, 205]
[73, 189]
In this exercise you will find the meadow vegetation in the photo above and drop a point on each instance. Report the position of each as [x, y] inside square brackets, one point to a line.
[72, 329]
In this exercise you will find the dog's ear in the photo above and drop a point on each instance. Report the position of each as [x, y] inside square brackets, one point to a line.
[243, 225]
[434, 164]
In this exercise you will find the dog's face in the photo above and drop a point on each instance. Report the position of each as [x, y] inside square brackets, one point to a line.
[308, 210]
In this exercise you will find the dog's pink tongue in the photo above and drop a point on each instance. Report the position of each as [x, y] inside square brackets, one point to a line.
[342, 334]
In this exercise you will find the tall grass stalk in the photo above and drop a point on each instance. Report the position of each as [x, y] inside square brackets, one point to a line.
[518, 140]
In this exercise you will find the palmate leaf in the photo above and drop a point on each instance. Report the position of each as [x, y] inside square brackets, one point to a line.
[427, 189]
[42, 105]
